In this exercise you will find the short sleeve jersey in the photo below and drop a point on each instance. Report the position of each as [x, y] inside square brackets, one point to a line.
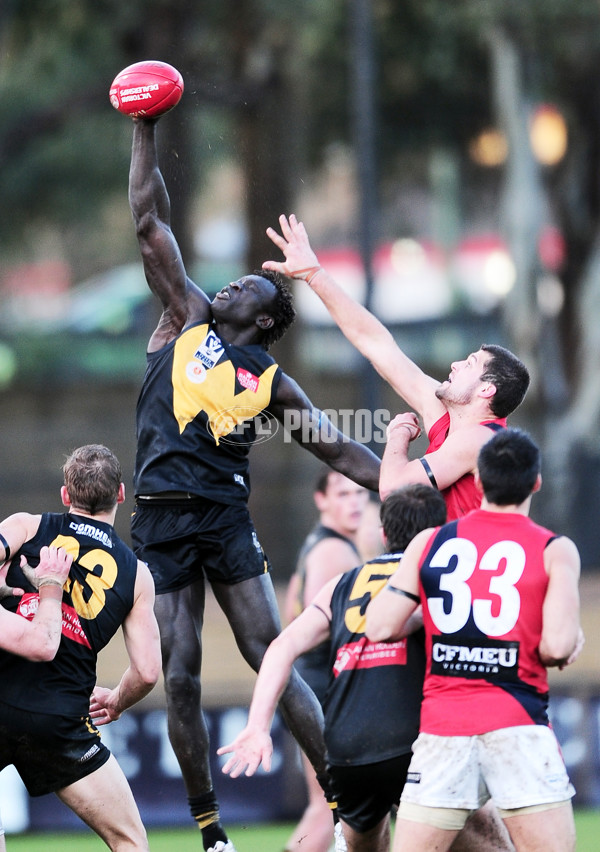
[463, 495]
[373, 701]
[201, 405]
[483, 584]
[97, 597]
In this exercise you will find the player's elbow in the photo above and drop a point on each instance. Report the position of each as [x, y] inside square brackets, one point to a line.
[147, 672]
[150, 674]
[376, 629]
[384, 489]
[556, 650]
[43, 651]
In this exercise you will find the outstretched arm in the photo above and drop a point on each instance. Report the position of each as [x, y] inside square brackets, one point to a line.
[362, 328]
[253, 746]
[311, 428]
[182, 301]
[142, 642]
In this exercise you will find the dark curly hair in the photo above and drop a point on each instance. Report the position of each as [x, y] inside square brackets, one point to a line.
[408, 511]
[282, 309]
[510, 377]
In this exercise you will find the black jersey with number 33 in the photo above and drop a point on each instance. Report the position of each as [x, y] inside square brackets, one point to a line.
[97, 596]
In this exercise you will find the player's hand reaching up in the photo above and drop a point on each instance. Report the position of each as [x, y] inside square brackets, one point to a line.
[300, 260]
[249, 750]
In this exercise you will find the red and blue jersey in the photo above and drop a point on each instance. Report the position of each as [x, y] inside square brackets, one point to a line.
[482, 584]
[463, 495]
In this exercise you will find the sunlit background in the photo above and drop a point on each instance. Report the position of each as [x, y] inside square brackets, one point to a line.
[445, 160]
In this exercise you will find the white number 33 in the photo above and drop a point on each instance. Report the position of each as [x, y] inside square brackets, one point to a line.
[455, 582]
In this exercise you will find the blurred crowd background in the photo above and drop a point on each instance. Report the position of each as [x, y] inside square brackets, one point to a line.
[444, 156]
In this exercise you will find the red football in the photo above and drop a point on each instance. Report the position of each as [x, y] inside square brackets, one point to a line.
[146, 89]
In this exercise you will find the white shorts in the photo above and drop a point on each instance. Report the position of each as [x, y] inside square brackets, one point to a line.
[517, 767]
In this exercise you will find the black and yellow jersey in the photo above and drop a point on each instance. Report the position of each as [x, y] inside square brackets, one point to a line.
[201, 404]
[372, 705]
[97, 597]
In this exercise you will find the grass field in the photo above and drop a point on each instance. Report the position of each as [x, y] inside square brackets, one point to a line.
[252, 838]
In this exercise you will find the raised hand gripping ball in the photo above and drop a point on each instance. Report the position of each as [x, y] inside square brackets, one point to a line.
[146, 89]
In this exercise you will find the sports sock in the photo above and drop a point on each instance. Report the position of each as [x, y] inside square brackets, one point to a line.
[325, 782]
[205, 811]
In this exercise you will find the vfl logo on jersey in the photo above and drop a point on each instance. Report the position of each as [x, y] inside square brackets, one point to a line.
[369, 655]
[247, 379]
[492, 659]
[210, 350]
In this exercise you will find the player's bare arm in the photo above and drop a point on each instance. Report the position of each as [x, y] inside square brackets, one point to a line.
[314, 431]
[456, 457]
[182, 301]
[327, 559]
[15, 530]
[253, 747]
[388, 614]
[142, 642]
[362, 328]
[561, 631]
[395, 464]
[39, 639]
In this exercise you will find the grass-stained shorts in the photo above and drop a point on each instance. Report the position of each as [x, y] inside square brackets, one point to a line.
[518, 767]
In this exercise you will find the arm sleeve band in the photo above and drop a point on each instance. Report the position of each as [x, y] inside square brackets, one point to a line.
[398, 591]
[429, 472]
[316, 606]
[6, 547]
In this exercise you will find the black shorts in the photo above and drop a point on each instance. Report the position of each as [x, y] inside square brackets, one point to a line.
[180, 540]
[49, 752]
[366, 794]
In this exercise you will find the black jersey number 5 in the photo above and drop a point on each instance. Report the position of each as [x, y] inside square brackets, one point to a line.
[368, 582]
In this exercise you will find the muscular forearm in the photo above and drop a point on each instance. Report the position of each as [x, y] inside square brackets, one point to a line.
[41, 637]
[272, 679]
[396, 468]
[360, 326]
[132, 687]
[147, 191]
[358, 463]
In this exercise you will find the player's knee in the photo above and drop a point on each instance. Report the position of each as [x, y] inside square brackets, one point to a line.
[182, 688]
